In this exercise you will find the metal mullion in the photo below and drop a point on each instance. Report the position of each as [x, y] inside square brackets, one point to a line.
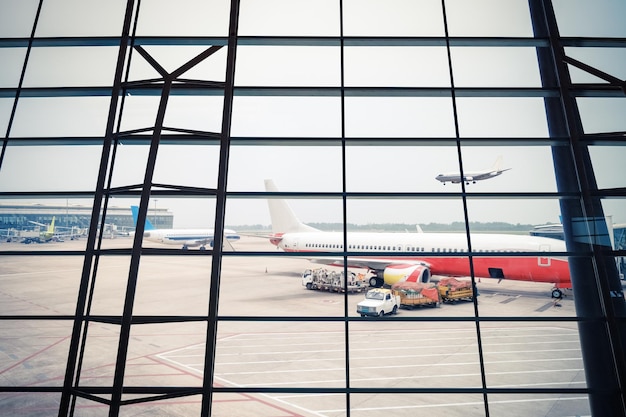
[20, 83]
[64, 405]
[481, 357]
[220, 208]
[344, 202]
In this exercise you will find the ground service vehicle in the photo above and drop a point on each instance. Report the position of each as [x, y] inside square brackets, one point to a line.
[417, 294]
[452, 290]
[378, 302]
[322, 279]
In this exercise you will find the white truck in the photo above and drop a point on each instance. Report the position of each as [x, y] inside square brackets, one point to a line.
[378, 302]
[322, 279]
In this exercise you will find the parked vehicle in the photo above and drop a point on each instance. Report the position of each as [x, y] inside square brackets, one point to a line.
[322, 279]
[417, 294]
[378, 302]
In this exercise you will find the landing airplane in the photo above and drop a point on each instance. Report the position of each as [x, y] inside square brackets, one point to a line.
[187, 237]
[417, 256]
[473, 176]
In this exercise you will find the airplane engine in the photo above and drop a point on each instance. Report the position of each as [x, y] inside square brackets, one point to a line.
[406, 273]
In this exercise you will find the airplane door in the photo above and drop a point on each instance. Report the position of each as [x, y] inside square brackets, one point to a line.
[544, 260]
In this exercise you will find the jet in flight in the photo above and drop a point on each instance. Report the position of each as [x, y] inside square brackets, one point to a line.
[396, 257]
[473, 176]
[185, 237]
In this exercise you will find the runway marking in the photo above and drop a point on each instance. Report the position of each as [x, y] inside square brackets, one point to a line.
[403, 366]
[405, 407]
[22, 361]
[236, 346]
[396, 378]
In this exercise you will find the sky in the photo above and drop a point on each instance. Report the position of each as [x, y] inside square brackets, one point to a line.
[315, 168]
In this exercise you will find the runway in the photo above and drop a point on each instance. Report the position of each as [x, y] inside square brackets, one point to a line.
[396, 352]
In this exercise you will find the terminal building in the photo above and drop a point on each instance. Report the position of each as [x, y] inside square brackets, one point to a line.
[15, 218]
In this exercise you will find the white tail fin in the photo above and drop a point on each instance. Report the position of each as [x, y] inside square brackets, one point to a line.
[497, 166]
[283, 218]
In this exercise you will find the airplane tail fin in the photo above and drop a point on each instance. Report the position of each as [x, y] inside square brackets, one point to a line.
[51, 227]
[135, 211]
[497, 166]
[283, 218]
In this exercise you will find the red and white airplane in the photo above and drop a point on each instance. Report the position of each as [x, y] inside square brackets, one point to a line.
[417, 256]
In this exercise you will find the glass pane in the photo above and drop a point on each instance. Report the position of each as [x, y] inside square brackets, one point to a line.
[17, 18]
[81, 18]
[61, 116]
[447, 355]
[186, 18]
[173, 285]
[286, 116]
[495, 67]
[502, 117]
[243, 292]
[6, 106]
[280, 354]
[30, 222]
[25, 403]
[27, 168]
[68, 67]
[12, 63]
[288, 66]
[405, 405]
[609, 60]
[608, 166]
[402, 169]
[542, 404]
[284, 165]
[488, 18]
[289, 18]
[34, 353]
[56, 282]
[393, 18]
[581, 18]
[602, 115]
[389, 117]
[556, 360]
[167, 354]
[396, 67]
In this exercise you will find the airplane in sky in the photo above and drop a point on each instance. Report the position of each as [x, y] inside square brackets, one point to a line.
[473, 176]
[185, 237]
[396, 257]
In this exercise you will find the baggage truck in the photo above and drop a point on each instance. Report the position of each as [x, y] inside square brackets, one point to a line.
[324, 280]
[417, 294]
[452, 290]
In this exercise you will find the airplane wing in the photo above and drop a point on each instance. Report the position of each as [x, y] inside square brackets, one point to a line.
[366, 263]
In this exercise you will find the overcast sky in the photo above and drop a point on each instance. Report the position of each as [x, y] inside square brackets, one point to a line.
[316, 168]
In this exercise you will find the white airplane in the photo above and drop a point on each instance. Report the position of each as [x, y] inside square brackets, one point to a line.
[186, 237]
[396, 257]
[473, 176]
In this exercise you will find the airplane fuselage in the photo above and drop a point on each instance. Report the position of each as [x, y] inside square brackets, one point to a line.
[444, 253]
[186, 237]
[468, 177]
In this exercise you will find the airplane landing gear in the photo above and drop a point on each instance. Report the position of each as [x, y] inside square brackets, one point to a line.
[557, 293]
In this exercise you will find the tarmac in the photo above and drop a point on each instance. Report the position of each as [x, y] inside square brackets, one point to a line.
[256, 348]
